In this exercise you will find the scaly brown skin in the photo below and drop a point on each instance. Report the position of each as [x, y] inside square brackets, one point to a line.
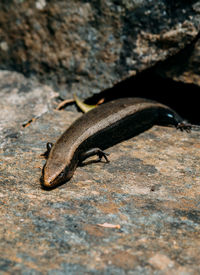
[100, 128]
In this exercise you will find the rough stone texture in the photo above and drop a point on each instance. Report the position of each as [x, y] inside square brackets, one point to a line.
[87, 46]
[22, 100]
[150, 189]
[185, 67]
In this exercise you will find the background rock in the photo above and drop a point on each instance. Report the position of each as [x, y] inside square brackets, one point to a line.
[184, 67]
[87, 46]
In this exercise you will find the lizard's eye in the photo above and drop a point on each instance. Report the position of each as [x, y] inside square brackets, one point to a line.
[170, 115]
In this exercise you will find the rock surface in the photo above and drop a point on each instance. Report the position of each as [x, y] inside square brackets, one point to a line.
[185, 67]
[87, 46]
[139, 214]
[22, 101]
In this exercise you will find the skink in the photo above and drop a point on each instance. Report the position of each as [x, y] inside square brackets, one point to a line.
[100, 128]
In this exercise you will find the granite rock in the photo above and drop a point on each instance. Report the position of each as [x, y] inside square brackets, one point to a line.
[87, 46]
[185, 66]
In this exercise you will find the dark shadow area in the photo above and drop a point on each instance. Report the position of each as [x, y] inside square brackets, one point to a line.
[183, 98]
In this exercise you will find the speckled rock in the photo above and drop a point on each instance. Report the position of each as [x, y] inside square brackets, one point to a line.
[87, 46]
[185, 66]
[22, 100]
[149, 193]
